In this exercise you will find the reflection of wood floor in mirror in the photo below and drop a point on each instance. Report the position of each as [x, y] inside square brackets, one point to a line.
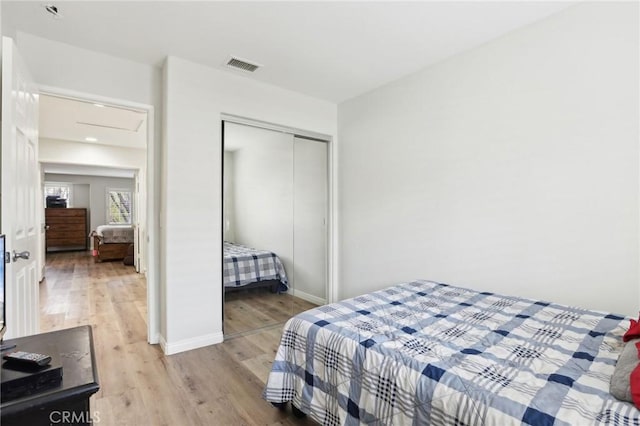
[246, 310]
[216, 385]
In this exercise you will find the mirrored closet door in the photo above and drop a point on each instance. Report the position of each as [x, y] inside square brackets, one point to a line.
[309, 220]
[274, 226]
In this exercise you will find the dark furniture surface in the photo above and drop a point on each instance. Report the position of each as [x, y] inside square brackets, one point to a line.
[109, 251]
[272, 285]
[129, 259]
[66, 229]
[79, 381]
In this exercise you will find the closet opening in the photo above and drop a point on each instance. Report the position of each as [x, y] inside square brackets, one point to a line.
[275, 226]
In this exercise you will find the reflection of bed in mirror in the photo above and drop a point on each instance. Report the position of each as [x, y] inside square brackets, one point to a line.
[111, 242]
[246, 267]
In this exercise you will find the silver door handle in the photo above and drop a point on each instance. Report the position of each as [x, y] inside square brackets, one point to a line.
[22, 255]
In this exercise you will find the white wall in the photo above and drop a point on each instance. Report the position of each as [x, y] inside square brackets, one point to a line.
[62, 65]
[195, 96]
[511, 168]
[97, 187]
[81, 196]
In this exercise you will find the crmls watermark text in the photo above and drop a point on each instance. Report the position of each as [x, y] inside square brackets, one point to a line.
[73, 417]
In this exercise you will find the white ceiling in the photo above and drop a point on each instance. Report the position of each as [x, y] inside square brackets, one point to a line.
[328, 50]
[75, 120]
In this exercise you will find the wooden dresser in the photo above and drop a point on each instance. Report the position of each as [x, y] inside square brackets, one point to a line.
[67, 229]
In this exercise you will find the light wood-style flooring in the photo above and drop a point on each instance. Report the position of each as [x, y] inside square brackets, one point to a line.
[217, 385]
[246, 310]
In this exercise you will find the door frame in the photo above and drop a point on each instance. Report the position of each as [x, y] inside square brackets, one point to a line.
[152, 248]
[332, 205]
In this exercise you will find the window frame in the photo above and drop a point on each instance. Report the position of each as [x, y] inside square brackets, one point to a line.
[108, 192]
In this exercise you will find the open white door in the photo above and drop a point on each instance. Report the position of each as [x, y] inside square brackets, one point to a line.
[20, 187]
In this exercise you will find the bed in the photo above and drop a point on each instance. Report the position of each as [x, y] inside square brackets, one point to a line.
[111, 242]
[246, 267]
[427, 353]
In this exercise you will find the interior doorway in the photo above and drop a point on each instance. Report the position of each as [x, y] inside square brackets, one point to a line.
[103, 148]
[275, 227]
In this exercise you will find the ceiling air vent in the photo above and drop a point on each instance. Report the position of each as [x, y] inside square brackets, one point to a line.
[241, 64]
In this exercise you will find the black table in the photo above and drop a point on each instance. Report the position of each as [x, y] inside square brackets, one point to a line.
[69, 402]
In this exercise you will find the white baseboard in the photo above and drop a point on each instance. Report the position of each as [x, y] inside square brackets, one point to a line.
[189, 344]
[309, 297]
[163, 343]
[154, 338]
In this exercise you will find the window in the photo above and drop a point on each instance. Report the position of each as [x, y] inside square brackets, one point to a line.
[119, 203]
[62, 190]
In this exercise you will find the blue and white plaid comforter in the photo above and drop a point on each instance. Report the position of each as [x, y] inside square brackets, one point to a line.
[244, 265]
[424, 353]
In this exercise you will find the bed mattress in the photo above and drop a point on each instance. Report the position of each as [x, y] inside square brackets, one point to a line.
[426, 353]
[115, 234]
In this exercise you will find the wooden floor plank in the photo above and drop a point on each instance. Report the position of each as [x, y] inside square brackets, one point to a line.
[217, 385]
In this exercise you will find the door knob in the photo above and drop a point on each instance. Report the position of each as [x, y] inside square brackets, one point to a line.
[22, 255]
